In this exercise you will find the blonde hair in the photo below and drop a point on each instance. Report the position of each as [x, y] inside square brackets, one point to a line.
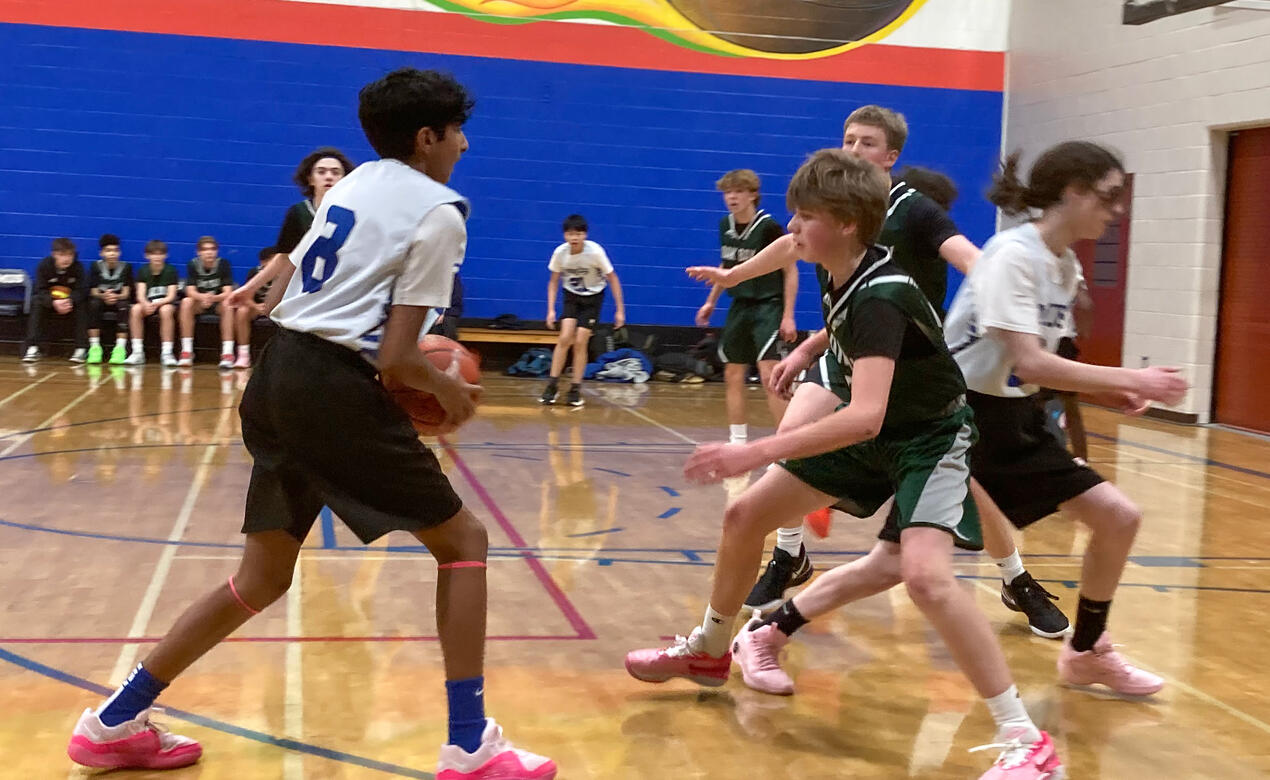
[739, 179]
[851, 190]
[891, 123]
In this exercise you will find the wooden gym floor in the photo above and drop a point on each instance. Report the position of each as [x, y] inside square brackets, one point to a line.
[123, 493]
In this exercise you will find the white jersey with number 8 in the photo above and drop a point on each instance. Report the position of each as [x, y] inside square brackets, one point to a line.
[385, 234]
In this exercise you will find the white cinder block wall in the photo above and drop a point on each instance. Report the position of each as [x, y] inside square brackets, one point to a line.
[1164, 94]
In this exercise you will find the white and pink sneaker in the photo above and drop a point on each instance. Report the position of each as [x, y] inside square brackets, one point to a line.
[1104, 666]
[758, 653]
[186, 359]
[495, 759]
[682, 659]
[226, 361]
[1020, 760]
[135, 744]
[243, 361]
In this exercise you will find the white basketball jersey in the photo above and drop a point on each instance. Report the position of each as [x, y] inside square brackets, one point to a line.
[585, 272]
[1019, 285]
[385, 234]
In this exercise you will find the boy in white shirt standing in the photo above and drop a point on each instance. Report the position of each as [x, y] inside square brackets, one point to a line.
[586, 271]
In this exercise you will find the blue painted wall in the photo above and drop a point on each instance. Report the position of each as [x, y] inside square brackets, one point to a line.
[173, 137]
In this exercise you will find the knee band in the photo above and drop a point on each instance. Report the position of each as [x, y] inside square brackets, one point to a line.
[239, 599]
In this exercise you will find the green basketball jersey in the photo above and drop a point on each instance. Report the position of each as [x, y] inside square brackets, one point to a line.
[915, 227]
[925, 386]
[736, 248]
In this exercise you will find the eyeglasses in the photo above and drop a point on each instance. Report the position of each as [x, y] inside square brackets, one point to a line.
[1109, 197]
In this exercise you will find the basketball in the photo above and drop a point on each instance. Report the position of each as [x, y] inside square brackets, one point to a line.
[424, 411]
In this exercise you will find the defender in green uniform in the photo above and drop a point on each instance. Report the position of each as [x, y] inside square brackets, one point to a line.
[761, 316]
[906, 430]
[923, 242]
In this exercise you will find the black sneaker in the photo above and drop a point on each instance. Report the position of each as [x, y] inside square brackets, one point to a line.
[784, 571]
[574, 398]
[1026, 595]
[549, 394]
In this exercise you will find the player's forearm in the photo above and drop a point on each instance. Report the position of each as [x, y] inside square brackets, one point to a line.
[618, 300]
[850, 425]
[1046, 369]
[713, 296]
[774, 256]
[791, 291]
[274, 296]
[816, 344]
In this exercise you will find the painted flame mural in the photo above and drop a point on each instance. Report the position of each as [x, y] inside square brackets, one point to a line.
[776, 29]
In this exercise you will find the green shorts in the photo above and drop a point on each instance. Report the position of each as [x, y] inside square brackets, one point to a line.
[752, 331]
[927, 472]
[827, 373]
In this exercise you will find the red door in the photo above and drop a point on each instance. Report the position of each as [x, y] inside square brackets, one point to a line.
[1240, 395]
[1106, 266]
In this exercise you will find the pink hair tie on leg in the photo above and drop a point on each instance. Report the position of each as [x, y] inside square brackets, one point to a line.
[239, 599]
[463, 565]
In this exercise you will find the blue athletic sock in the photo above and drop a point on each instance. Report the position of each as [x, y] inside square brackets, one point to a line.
[467, 712]
[136, 694]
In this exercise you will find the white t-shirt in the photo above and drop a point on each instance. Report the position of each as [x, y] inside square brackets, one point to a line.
[583, 273]
[385, 234]
[1019, 285]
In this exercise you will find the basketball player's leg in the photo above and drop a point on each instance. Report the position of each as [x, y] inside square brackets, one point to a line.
[789, 565]
[119, 733]
[1088, 657]
[560, 354]
[737, 353]
[704, 656]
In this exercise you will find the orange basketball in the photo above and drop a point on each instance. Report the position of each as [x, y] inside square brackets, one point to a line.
[424, 411]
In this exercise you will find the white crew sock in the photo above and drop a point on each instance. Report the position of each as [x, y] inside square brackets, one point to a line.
[1011, 566]
[790, 540]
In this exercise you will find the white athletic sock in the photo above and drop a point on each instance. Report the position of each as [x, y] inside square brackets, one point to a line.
[138, 345]
[187, 345]
[738, 433]
[790, 540]
[94, 341]
[227, 347]
[1008, 712]
[244, 350]
[716, 632]
[1011, 566]
[167, 347]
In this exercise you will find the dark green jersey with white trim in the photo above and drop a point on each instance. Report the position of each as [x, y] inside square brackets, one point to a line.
[927, 383]
[738, 243]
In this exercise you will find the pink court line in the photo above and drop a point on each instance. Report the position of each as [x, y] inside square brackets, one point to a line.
[119, 640]
[562, 601]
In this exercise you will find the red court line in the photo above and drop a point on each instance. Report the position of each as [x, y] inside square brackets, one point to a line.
[562, 601]
[141, 640]
[542, 41]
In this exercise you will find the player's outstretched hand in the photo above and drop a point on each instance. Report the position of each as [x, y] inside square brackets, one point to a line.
[715, 462]
[1161, 383]
[710, 274]
[238, 297]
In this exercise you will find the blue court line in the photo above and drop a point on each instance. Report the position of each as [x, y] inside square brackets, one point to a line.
[670, 491]
[1192, 458]
[220, 725]
[595, 533]
[612, 471]
[674, 510]
[328, 529]
[117, 537]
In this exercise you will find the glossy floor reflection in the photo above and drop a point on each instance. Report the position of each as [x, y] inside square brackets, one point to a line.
[122, 498]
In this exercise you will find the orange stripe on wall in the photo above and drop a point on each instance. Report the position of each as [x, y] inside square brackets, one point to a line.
[418, 31]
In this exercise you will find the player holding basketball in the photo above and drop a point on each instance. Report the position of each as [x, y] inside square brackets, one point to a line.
[381, 253]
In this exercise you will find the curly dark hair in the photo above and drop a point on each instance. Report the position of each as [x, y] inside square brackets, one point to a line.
[305, 169]
[1081, 163]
